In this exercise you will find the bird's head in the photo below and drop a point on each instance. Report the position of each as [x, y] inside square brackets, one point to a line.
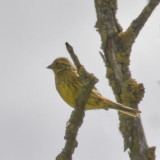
[61, 64]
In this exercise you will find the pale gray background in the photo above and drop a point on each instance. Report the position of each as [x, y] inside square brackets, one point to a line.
[32, 114]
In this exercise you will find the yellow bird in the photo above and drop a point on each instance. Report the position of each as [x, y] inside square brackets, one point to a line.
[69, 86]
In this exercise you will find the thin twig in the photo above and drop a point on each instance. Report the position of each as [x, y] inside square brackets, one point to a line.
[73, 55]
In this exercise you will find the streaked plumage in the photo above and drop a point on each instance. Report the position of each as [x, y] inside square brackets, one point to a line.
[69, 86]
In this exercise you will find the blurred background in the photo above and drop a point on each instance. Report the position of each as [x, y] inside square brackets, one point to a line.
[32, 114]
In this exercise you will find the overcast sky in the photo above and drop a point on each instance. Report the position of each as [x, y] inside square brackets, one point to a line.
[32, 114]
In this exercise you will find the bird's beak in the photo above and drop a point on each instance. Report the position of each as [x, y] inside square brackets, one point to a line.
[49, 67]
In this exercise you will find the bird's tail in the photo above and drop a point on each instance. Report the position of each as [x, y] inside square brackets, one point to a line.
[120, 107]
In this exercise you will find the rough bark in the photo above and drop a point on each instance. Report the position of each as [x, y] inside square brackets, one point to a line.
[116, 46]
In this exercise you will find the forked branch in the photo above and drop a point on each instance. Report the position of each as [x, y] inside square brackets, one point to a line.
[116, 46]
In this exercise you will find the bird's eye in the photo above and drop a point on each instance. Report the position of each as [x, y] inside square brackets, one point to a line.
[56, 63]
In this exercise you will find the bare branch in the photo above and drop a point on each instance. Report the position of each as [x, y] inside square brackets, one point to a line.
[73, 56]
[116, 46]
[133, 30]
[76, 118]
[107, 24]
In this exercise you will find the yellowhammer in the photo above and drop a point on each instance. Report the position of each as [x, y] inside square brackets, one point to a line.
[69, 86]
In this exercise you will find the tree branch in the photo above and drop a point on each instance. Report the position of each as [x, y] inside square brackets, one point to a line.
[116, 46]
[107, 24]
[73, 56]
[133, 30]
[76, 118]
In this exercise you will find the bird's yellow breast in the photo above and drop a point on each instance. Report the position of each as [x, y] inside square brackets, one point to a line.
[67, 94]
[69, 88]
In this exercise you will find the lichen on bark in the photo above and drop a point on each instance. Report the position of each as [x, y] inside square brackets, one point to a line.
[117, 47]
